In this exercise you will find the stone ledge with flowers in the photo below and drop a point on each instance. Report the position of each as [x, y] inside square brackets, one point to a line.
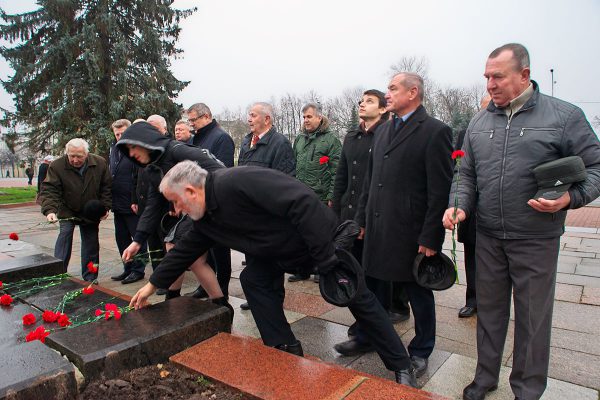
[93, 327]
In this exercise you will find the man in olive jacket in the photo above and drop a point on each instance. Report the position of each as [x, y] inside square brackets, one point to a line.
[73, 180]
[317, 151]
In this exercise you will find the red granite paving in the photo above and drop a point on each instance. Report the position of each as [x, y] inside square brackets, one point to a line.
[588, 217]
[307, 304]
[245, 364]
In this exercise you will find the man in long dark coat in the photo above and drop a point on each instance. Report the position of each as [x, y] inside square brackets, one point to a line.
[409, 178]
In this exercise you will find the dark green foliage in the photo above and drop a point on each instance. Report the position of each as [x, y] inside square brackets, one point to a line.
[353, 122]
[82, 64]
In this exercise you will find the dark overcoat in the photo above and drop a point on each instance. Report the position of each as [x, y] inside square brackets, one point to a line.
[408, 180]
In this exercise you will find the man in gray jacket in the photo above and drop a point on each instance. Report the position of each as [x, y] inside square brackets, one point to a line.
[518, 236]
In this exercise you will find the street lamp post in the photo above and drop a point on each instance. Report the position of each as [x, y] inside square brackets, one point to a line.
[552, 76]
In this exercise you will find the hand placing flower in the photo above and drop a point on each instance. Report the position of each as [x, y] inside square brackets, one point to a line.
[6, 300]
[28, 319]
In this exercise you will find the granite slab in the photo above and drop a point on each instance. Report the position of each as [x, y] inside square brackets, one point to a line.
[140, 338]
[29, 266]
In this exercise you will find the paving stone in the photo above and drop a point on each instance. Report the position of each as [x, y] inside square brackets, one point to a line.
[31, 369]
[318, 338]
[575, 367]
[339, 315]
[576, 317]
[454, 297]
[570, 241]
[377, 389]
[140, 338]
[591, 295]
[594, 262]
[579, 229]
[243, 322]
[30, 266]
[581, 280]
[566, 268]
[588, 270]
[578, 253]
[371, 364]
[577, 341]
[307, 304]
[458, 371]
[566, 292]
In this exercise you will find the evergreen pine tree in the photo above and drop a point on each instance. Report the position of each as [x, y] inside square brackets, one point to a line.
[82, 64]
[353, 122]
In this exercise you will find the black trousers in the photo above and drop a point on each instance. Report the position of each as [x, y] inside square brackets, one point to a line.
[262, 281]
[219, 258]
[470, 268]
[125, 225]
[423, 306]
[156, 247]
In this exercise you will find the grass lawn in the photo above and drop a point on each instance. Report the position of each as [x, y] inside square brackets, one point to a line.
[17, 194]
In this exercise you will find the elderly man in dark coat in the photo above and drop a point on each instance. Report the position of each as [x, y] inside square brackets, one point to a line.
[236, 208]
[409, 178]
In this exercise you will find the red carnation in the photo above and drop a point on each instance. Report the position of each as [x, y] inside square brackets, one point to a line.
[6, 299]
[117, 315]
[111, 307]
[92, 268]
[40, 334]
[99, 313]
[49, 316]
[107, 315]
[323, 160]
[63, 320]
[457, 154]
[28, 319]
[0, 284]
[13, 236]
[88, 290]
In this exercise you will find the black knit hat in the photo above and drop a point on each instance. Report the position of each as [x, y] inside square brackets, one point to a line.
[340, 285]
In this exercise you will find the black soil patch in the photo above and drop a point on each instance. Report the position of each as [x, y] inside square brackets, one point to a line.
[158, 382]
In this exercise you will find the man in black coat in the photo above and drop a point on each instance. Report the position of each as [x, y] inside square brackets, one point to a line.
[123, 173]
[408, 181]
[209, 135]
[145, 146]
[237, 208]
[43, 171]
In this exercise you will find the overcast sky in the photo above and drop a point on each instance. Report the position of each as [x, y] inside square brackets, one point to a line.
[237, 52]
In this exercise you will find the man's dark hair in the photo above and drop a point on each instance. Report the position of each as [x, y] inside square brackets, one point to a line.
[520, 54]
[379, 94]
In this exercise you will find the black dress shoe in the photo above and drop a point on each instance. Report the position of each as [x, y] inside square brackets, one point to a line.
[419, 364]
[475, 392]
[132, 277]
[353, 330]
[245, 306]
[353, 347]
[298, 277]
[294, 348]
[396, 317]
[467, 311]
[199, 293]
[161, 292]
[406, 377]
[120, 277]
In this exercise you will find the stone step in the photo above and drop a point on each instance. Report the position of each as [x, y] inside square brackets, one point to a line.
[245, 364]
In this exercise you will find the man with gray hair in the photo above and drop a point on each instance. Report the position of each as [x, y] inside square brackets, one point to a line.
[74, 182]
[183, 132]
[265, 147]
[278, 223]
[160, 123]
[518, 234]
[317, 151]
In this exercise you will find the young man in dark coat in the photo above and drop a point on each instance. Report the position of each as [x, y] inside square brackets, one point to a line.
[144, 145]
[408, 181]
[237, 208]
[123, 173]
